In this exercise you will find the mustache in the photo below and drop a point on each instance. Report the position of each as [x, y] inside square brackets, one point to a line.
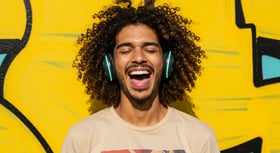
[137, 65]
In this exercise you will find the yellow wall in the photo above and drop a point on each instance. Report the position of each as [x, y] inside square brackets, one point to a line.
[41, 84]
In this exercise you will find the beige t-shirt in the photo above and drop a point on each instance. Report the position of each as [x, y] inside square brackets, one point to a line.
[106, 132]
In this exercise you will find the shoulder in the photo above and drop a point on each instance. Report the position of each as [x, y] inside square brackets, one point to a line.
[190, 123]
[199, 136]
[82, 134]
[89, 125]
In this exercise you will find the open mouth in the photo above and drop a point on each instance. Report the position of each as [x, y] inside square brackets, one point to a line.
[140, 79]
[139, 75]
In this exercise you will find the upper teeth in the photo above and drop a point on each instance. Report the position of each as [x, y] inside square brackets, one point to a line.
[139, 72]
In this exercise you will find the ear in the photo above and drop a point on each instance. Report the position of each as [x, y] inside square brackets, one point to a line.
[109, 67]
[168, 60]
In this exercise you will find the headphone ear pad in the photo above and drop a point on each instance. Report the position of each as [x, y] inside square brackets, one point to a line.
[168, 64]
[109, 67]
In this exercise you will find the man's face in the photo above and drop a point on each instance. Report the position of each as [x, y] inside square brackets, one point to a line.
[138, 61]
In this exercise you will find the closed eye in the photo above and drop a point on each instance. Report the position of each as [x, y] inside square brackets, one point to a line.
[124, 49]
[151, 49]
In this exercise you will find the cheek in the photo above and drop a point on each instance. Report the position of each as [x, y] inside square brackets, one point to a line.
[120, 65]
[119, 70]
[158, 63]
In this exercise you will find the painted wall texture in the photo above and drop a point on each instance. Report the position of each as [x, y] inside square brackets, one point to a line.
[238, 93]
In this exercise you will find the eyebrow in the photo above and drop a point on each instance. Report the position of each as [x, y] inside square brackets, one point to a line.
[144, 44]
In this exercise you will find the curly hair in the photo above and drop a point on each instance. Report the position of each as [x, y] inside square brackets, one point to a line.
[173, 33]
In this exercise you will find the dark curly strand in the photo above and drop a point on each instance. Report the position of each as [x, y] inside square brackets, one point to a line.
[173, 33]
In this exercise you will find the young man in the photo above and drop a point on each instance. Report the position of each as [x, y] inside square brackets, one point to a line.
[138, 61]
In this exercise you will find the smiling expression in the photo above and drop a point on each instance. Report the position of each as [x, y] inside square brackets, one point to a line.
[138, 61]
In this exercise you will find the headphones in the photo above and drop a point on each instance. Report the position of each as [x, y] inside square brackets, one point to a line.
[110, 73]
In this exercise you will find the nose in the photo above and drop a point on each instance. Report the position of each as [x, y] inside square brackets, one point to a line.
[139, 56]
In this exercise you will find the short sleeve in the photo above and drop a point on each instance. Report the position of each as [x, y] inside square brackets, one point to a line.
[210, 145]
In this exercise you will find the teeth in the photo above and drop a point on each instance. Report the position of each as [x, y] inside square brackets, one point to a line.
[139, 72]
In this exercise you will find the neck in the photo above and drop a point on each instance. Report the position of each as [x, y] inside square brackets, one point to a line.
[147, 114]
